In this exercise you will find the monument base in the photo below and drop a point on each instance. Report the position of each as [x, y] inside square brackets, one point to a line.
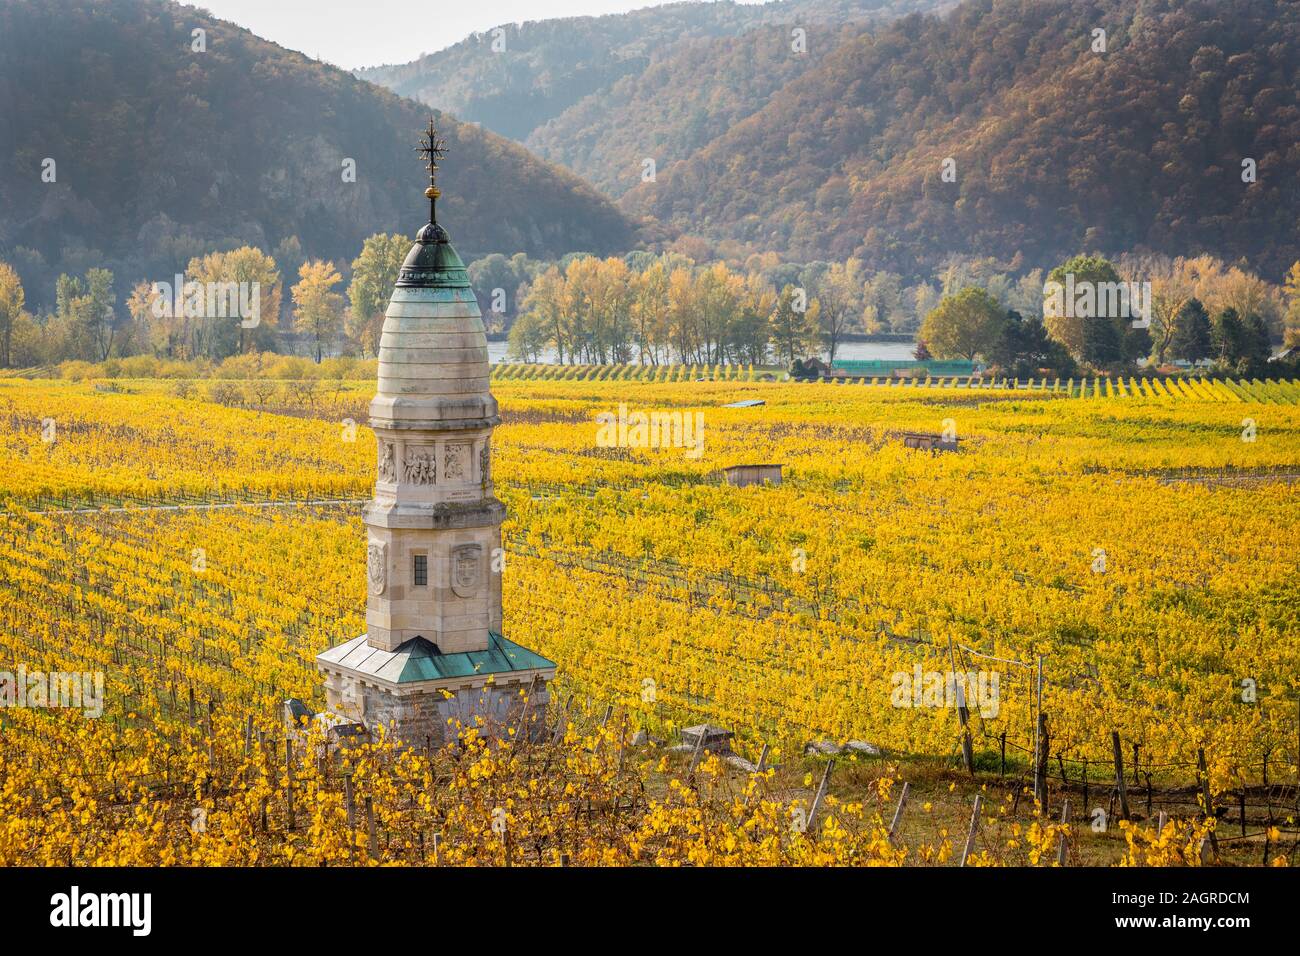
[419, 695]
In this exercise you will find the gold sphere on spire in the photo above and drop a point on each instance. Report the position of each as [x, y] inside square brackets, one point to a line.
[433, 192]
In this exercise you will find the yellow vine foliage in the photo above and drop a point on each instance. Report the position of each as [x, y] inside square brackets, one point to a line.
[782, 612]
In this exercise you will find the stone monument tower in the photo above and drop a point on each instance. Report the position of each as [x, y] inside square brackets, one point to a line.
[433, 648]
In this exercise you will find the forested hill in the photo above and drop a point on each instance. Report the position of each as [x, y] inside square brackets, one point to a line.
[163, 152]
[546, 67]
[679, 103]
[1056, 147]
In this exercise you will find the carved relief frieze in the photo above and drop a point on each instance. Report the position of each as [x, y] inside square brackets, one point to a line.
[420, 465]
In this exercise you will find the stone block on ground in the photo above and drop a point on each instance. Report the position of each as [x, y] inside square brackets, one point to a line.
[822, 748]
[862, 747]
[715, 739]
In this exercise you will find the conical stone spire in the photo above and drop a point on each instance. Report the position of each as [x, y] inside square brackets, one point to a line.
[434, 523]
[433, 652]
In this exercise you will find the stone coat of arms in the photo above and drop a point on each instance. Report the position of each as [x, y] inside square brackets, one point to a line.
[377, 566]
[465, 563]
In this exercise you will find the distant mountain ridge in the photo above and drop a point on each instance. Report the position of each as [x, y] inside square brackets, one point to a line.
[162, 152]
[548, 66]
[840, 152]
[1055, 148]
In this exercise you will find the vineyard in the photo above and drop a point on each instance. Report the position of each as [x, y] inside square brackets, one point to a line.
[1267, 391]
[1136, 548]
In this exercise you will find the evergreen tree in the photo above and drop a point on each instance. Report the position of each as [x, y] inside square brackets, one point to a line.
[1229, 335]
[1192, 337]
[1256, 346]
[1102, 345]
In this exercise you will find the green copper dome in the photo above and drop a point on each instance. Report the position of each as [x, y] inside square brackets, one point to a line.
[432, 262]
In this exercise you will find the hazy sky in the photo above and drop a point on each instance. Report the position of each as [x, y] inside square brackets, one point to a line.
[353, 33]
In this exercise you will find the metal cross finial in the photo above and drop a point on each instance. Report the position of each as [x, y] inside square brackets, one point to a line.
[432, 147]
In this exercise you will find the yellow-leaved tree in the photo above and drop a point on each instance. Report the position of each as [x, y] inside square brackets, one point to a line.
[12, 299]
[317, 308]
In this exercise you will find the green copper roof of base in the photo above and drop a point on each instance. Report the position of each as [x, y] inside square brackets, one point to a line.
[420, 660]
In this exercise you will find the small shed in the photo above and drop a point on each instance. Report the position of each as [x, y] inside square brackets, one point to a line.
[296, 713]
[340, 730]
[715, 739]
[928, 441]
[742, 476]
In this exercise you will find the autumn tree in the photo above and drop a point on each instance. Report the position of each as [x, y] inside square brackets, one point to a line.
[318, 309]
[720, 298]
[793, 324]
[12, 299]
[374, 273]
[247, 275]
[748, 338]
[840, 292]
[546, 303]
[1063, 320]
[528, 338]
[1291, 291]
[964, 325]
[650, 311]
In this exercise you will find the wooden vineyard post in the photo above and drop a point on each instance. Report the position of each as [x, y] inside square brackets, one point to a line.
[821, 796]
[1120, 786]
[371, 834]
[967, 752]
[898, 811]
[698, 751]
[1039, 727]
[1065, 818]
[762, 760]
[288, 775]
[1040, 763]
[1202, 771]
[970, 834]
[348, 798]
